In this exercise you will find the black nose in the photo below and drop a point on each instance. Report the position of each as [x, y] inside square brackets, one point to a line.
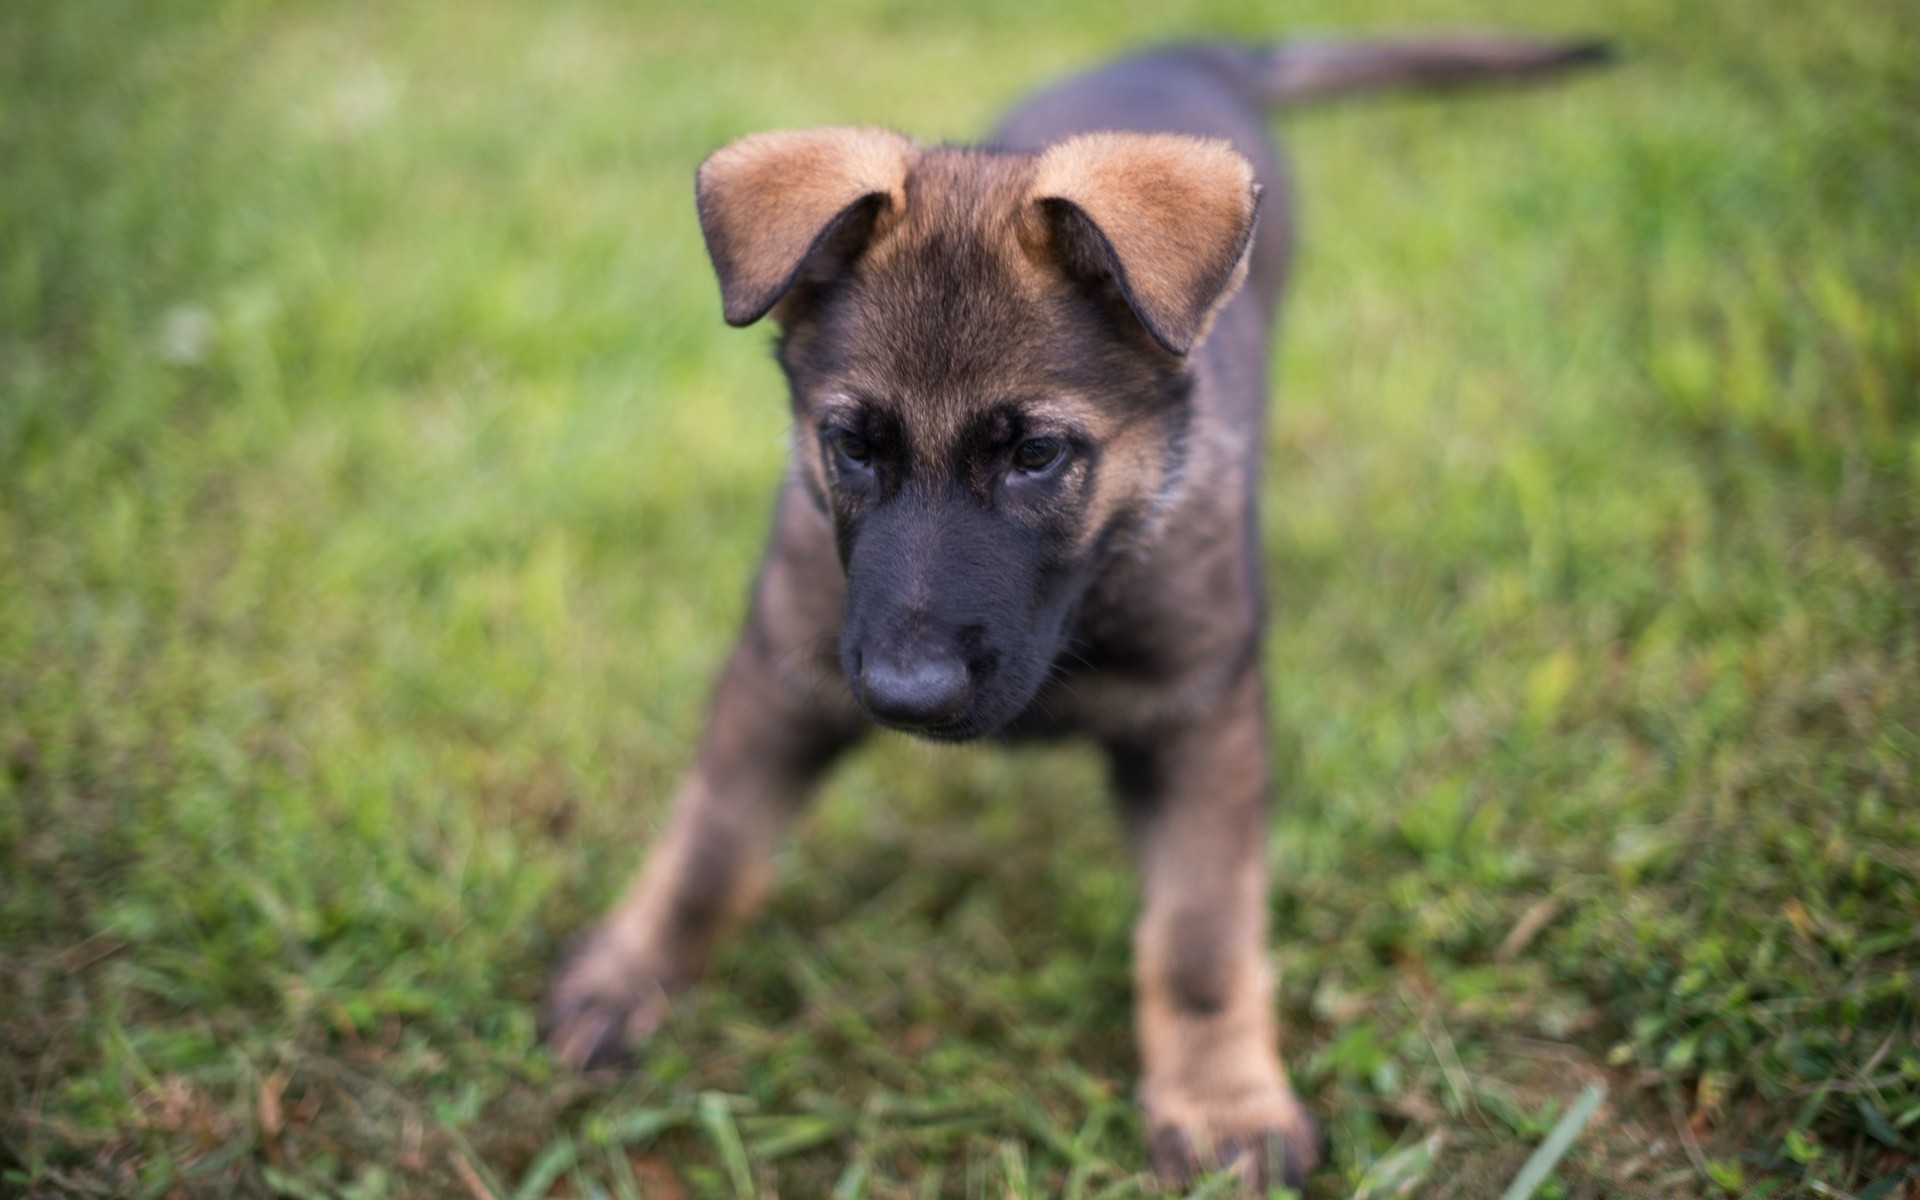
[915, 693]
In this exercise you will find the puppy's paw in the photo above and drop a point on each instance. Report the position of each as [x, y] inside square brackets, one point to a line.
[1269, 1139]
[602, 1003]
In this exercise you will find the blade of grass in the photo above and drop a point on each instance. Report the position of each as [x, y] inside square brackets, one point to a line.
[1400, 1172]
[553, 1162]
[716, 1120]
[1558, 1141]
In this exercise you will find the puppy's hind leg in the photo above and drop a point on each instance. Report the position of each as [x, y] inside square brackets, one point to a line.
[764, 749]
[1212, 1089]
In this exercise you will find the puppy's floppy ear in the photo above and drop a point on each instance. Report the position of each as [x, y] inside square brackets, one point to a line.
[771, 202]
[1169, 217]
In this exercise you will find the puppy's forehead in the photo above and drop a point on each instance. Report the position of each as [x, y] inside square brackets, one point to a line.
[948, 312]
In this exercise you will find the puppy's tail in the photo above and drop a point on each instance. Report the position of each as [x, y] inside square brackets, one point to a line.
[1297, 72]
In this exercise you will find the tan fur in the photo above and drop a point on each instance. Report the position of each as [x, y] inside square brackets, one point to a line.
[1134, 468]
[1177, 211]
[765, 200]
[1203, 995]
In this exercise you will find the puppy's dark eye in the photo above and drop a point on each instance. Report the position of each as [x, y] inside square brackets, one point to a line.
[1037, 454]
[851, 444]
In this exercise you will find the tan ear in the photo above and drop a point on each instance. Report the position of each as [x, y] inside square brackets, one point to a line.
[1170, 217]
[770, 201]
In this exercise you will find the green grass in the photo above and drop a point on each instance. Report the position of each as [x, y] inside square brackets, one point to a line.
[379, 489]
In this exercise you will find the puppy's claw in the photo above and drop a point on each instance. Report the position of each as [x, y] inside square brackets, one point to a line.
[1270, 1159]
[598, 1011]
[1281, 1154]
[1172, 1155]
[590, 1037]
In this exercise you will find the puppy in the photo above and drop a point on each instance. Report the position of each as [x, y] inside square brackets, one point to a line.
[1027, 382]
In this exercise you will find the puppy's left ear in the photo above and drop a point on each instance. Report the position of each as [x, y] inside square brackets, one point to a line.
[773, 204]
[1169, 218]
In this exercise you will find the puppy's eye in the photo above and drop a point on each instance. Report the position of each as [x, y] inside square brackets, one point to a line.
[851, 444]
[1037, 454]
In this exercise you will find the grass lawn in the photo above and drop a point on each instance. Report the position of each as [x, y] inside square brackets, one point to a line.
[379, 490]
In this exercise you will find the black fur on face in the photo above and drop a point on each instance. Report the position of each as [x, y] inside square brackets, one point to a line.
[984, 431]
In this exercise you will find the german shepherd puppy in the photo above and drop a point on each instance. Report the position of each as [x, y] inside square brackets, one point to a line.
[1027, 384]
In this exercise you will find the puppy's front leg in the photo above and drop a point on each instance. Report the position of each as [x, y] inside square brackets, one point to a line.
[1212, 1089]
[764, 748]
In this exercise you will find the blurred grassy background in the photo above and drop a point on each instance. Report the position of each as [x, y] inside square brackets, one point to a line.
[379, 489]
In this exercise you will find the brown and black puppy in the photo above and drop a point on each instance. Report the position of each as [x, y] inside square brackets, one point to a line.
[1027, 385]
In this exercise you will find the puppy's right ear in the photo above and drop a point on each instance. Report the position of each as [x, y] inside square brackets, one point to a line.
[773, 203]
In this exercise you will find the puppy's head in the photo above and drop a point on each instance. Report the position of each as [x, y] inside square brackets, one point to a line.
[988, 355]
